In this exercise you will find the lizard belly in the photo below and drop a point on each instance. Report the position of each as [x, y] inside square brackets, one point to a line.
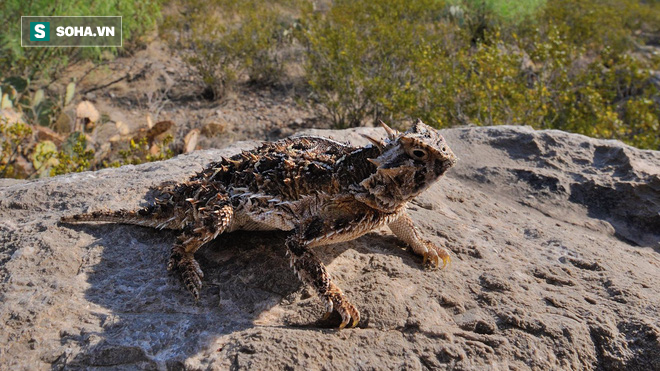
[354, 230]
[262, 221]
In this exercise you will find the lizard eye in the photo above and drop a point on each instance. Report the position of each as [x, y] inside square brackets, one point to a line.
[419, 153]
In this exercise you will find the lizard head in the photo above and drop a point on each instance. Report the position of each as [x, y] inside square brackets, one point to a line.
[408, 164]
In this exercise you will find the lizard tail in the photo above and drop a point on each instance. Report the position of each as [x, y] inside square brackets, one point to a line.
[145, 217]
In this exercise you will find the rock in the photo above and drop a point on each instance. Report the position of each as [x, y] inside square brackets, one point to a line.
[106, 132]
[123, 128]
[21, 167]
[190, 141]
[43, 133]
[154, 133]
[565, 279]
[86, 116]
[10, 116]
[157, 131]
[213, 129]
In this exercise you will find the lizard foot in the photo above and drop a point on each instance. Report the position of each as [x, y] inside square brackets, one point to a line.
[337, 300]
[191, 273]
[434, 254]
[175, 257]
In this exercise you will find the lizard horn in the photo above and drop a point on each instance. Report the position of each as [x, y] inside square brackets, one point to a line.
[391, 133]
[373, 141]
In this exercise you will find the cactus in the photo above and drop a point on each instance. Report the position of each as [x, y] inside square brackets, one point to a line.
[6, 102]
[44, 158]
[38, 98]
[70, 91]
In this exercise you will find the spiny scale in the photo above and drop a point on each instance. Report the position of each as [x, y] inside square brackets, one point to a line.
[319, 190]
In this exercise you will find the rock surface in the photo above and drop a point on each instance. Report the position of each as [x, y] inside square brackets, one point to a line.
[555, 240]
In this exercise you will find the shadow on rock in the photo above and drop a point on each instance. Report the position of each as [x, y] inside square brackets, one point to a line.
[148, 317]
[629, 199]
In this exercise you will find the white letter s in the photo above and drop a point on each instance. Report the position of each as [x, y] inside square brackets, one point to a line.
[39, 31]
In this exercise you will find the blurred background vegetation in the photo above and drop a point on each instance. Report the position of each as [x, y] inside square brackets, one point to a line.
[585, 66]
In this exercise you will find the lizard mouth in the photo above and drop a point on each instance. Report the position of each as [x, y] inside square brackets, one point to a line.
[442, 165]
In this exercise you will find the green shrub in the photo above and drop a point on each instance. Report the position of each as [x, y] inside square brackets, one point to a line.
[139, 152]
[139, 16]
[568, 66]
[362, 56]
[13, 136]
[74, 157]
[597, 24]
[585, 56]
[224, 40]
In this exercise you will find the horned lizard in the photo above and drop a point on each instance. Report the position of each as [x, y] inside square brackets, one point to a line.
[320, 190]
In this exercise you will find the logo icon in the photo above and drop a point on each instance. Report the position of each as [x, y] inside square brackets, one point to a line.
[39, 31]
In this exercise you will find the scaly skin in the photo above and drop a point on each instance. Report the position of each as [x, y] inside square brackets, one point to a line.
[319, 190]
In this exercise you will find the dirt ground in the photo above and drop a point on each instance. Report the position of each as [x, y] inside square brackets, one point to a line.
[153, 85]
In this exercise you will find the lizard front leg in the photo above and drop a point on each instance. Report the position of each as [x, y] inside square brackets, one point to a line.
[211, 220]
[313, 272]
[404, 228]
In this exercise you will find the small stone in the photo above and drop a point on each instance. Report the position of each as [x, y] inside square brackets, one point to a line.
[123, 128]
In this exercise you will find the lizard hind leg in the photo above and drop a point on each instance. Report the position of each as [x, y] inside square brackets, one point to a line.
[312, 271]
[209, 224]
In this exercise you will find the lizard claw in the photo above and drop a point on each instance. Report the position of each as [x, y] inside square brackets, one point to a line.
[175, 257]
[328, 310]
[430, 257]
[446, 260]
[434, 254]
[348, 312]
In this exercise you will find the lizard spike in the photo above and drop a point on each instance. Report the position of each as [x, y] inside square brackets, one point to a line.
[391, 133]
[373, 141]
[374, 161]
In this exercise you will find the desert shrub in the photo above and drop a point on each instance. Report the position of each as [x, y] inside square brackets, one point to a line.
[140, 151]
[225, 40]
[139, 16]
[599, 24]
[23, 156]
[362, 56]
[76, 154]
[585, 54]
[74, 157]
[510, 11]
[566, 66]
[435, 62]
[36, 107]
[24, 71]
[13, 137]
